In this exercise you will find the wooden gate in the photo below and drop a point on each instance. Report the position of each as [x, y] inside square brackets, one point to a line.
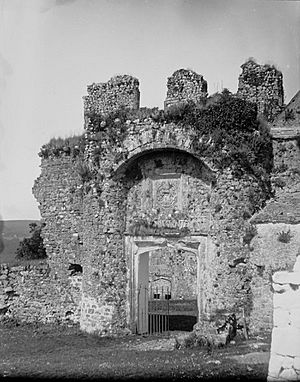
[154, 310]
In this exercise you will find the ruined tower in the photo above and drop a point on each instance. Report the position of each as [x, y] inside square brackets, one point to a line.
[185, 85]
[263, 85]
[119, 91]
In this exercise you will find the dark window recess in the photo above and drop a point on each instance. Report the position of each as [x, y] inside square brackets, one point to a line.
[168, 296]
[75, 269]
[156, 296]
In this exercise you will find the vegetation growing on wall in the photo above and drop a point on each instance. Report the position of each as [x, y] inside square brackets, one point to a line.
[284, 237]
[227, 126]
[33, 247]
[73, 146]
[227, 130]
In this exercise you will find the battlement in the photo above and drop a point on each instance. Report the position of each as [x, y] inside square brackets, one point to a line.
[108, 96]
[185, 85]
[263, 85]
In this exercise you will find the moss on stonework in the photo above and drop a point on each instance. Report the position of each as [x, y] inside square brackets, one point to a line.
[228, 131]
[72, 146]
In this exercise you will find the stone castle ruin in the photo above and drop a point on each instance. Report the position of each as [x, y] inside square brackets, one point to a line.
[136, 205]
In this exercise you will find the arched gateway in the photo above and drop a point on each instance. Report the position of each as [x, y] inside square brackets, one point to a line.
[167, 215]
[136, 205]
[163, 211]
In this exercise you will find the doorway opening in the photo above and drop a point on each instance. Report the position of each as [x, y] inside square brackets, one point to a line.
[165, 284]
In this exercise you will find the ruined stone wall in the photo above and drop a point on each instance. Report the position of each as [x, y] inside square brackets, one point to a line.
[104, 294]
[233, 201]
[59, 191]
[273, 248]
[286, 151]
[278, 230]
[32, 293]
[263, 85]
[185, 85]
[103, 98]
[284, 364]
[141, 191]
[109, 96]
[148, 180]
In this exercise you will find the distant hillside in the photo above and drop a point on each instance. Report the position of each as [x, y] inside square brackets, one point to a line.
[13, 231]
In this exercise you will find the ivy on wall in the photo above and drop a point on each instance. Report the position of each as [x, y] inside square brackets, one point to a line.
[228, 133]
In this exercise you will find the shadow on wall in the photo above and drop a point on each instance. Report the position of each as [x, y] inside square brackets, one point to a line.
[1, 232]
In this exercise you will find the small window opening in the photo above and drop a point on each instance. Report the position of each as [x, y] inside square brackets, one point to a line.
[156, 296]
[75, 269]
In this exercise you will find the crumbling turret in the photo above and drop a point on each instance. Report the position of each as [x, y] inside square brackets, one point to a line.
[262, 84]
[185, 85]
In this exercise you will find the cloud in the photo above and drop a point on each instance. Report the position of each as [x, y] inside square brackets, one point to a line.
[49, 4]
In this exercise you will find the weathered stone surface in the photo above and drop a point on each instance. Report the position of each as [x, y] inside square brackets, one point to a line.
[285, 347]
[275, 363]
[289, 375]
[296, 364]
[185, 85]
[285, 277]
[286, 341]
[33, 294]
[118, 91]
[281, 317]
[295, 317]
[263, 85]
[152, 183]
[267, 256]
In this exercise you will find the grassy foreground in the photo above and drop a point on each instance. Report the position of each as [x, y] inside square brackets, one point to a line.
[48, 352]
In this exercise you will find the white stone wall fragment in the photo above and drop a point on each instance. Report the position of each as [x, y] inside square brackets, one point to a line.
[284, 362]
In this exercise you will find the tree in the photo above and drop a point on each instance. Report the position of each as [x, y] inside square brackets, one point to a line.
[33, 247]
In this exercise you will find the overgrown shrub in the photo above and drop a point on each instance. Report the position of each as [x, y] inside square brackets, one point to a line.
[284, 237]
[250, 232]
[228, 129]
[84, 171]
[32, 247]
[72, 146]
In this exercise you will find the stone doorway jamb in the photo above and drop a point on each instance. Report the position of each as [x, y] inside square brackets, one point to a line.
[135, 246]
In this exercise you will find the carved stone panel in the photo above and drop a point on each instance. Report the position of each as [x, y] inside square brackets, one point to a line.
[167, 194]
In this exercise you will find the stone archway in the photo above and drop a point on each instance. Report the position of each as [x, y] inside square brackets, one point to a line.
[137, 251]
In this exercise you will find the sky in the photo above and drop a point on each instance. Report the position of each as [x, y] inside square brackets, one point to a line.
[50, 50]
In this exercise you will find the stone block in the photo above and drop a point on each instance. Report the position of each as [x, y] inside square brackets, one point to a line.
[281, 317]
[286, 341]
[272, 379]
[289, 375]
[295, 317]
[287, 300]
[285, 277]
[296, 364]
[281, 288]
[288, 362]
[275, 364]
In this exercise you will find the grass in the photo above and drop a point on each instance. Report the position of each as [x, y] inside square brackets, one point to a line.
[49, 352]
